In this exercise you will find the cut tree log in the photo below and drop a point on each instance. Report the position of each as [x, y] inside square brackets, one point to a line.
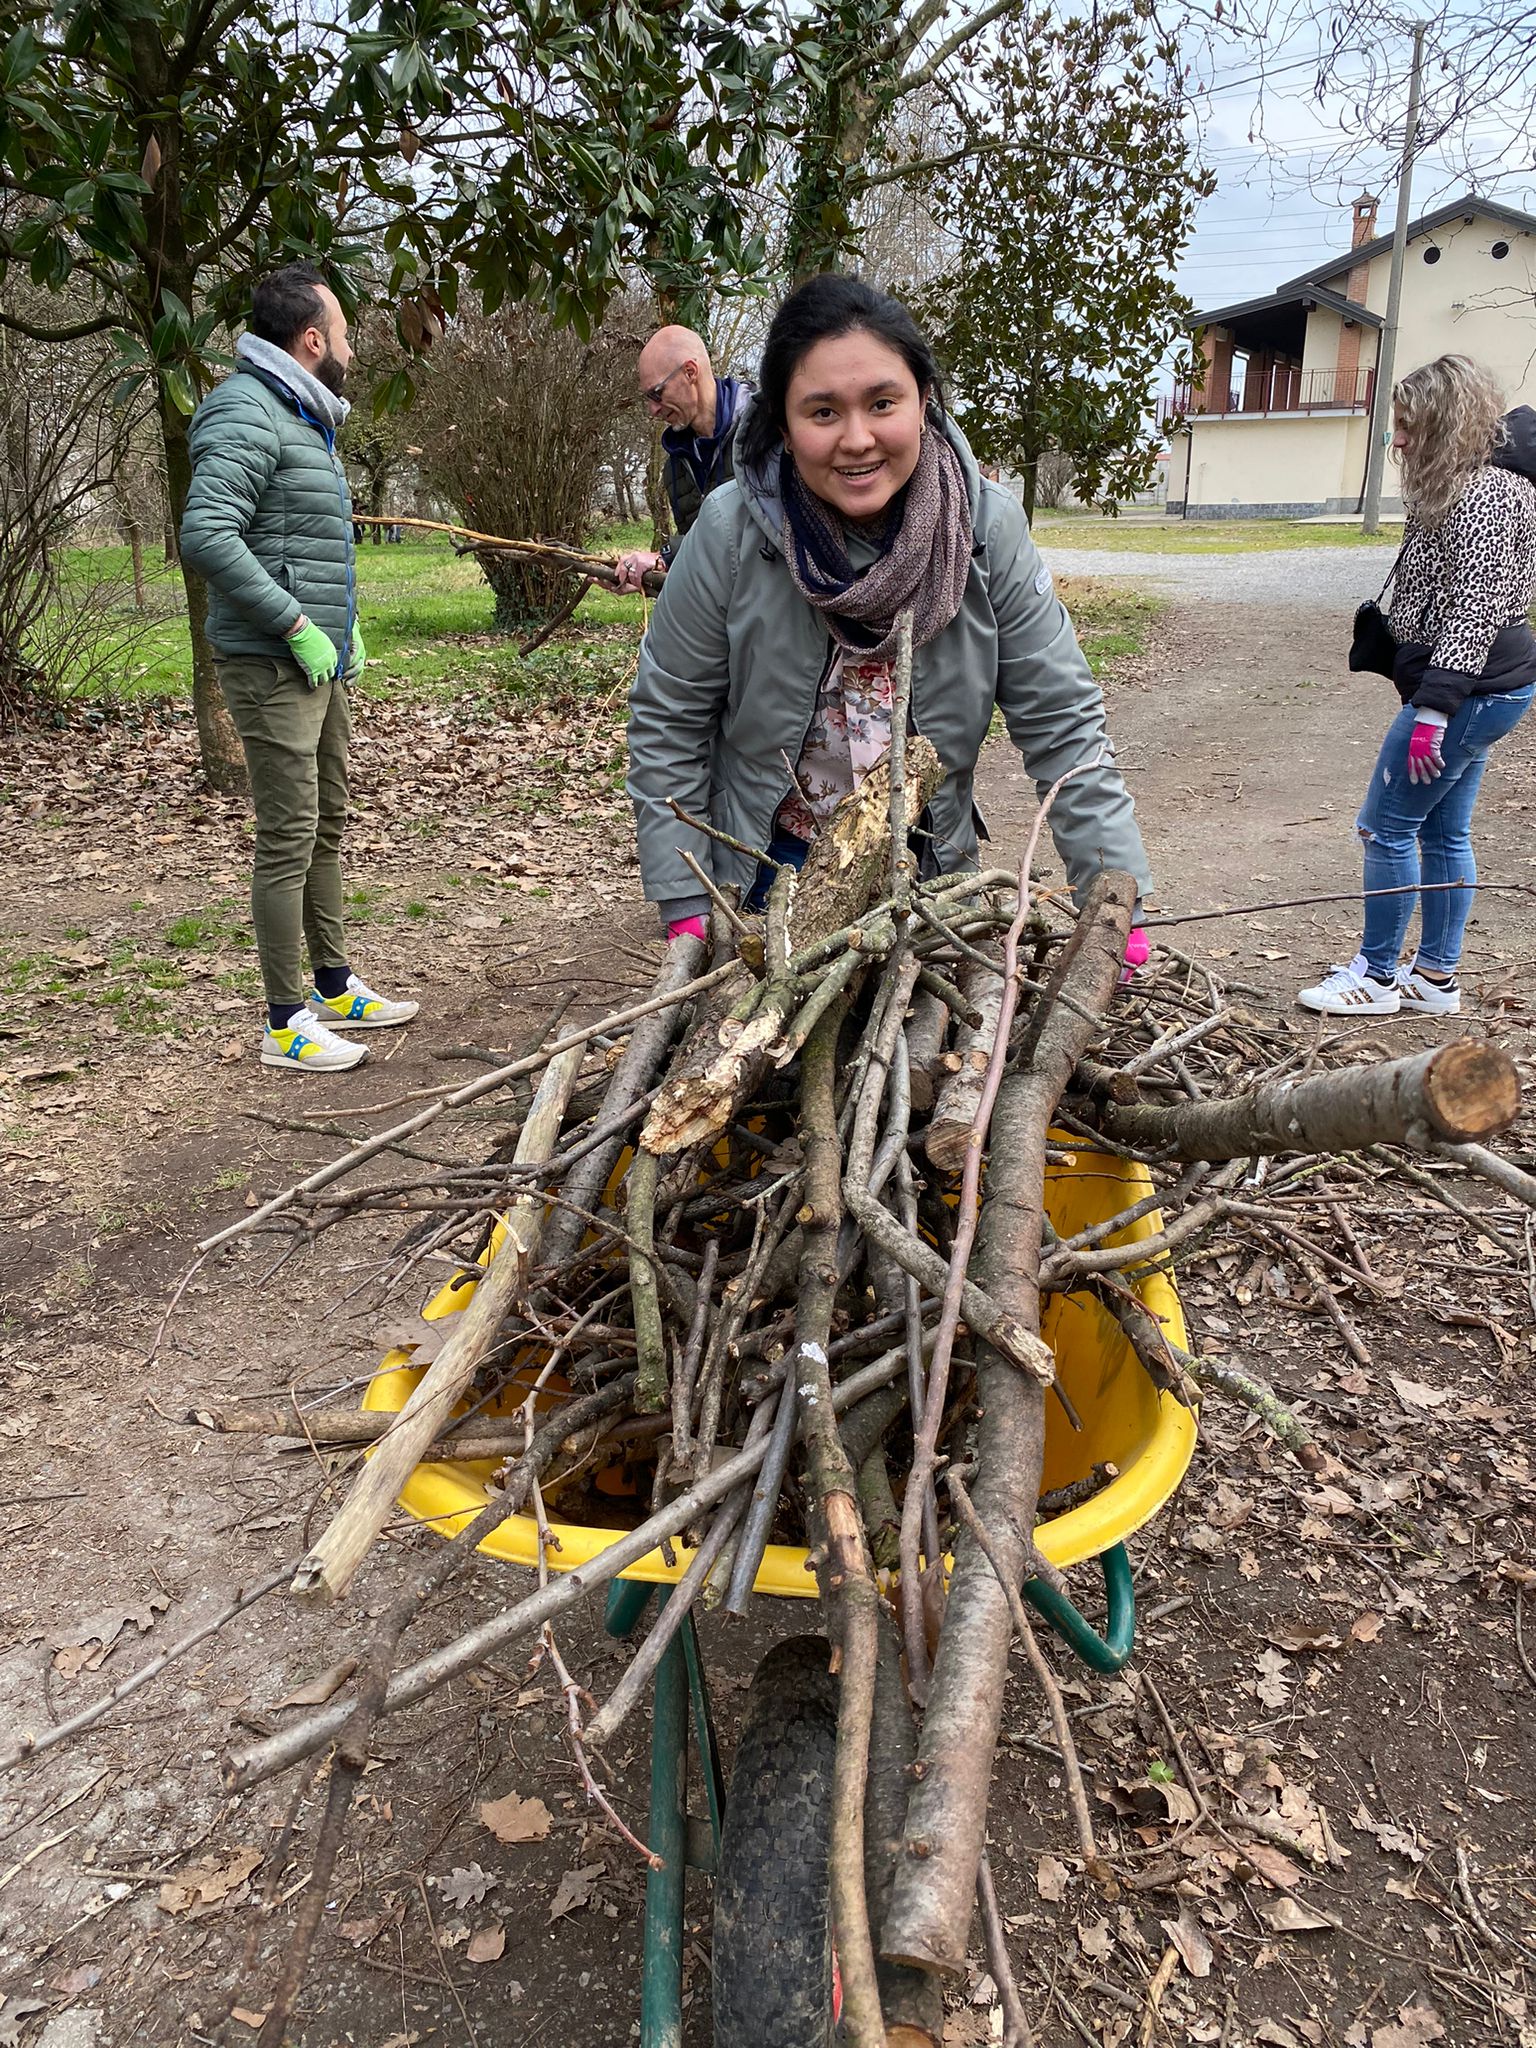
[934, 1890]
[925, 1042]
[330, 1566]
[960, 1090]
[1468, 1089]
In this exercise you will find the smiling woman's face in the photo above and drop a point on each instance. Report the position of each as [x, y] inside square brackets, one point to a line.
[854, 422]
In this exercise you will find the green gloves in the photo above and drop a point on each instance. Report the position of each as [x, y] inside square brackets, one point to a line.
[315, 653]
[359, 652]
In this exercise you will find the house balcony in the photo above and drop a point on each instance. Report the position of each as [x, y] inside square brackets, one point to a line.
[1290, 392]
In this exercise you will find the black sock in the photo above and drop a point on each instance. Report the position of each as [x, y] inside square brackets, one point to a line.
[332, 981]
[279, 1013]
[1442, 977]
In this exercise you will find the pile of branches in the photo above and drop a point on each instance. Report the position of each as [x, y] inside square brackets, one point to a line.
[773, 1241]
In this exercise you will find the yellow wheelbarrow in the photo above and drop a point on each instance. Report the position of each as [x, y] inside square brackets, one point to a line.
[773, 1944]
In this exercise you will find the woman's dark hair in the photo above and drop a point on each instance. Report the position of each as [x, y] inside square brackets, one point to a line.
[821, 310]
[285, 303]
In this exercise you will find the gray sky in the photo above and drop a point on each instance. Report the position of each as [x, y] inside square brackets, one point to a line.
[1287, 173]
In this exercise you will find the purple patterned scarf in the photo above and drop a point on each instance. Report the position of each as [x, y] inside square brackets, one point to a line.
[924, 563]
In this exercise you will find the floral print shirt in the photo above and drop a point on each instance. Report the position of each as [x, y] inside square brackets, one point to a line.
[850, 731]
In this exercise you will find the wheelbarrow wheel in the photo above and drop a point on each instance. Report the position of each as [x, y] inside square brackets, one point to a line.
[772, 1928]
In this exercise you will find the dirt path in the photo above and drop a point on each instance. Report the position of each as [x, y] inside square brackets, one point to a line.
[1342, 1651]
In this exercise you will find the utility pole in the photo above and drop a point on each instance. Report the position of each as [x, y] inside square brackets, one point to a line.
[1381, 400]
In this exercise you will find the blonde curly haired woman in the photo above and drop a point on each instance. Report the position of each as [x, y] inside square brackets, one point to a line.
[1465, 670]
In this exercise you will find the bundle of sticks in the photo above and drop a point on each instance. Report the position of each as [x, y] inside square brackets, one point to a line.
[771, 1245]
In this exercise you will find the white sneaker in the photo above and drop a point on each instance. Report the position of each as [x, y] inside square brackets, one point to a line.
[304, 1041]
[1433, 998]
[1350, 992]
[358, 1008]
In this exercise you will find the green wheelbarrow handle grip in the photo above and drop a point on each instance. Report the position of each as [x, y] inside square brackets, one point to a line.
[1105, 1652]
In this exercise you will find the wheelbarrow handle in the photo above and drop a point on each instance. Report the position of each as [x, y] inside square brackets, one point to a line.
[1105, 1652]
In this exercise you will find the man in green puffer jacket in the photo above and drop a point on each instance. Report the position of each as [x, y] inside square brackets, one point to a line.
[268, 526]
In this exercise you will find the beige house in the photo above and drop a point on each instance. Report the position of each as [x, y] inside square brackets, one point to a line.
[1279, 426]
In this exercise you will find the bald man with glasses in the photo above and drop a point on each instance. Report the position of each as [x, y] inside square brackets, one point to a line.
[698, 412]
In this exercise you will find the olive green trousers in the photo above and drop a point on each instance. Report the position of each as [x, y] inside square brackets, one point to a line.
[295, 741]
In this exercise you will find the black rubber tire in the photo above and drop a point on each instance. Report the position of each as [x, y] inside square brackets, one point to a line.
[772, 1928]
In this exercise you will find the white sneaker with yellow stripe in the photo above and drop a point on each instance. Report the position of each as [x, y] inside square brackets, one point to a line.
[307, 1042]
[359, 1008]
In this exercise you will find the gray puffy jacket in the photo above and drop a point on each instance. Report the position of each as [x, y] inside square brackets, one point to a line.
[730, 668]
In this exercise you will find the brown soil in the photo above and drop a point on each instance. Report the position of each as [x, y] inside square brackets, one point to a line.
[1340, 1653]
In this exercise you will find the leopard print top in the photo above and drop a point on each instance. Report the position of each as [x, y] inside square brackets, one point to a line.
[1473, 575]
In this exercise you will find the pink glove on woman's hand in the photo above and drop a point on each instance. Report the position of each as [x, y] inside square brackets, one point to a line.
[1137, 949]
[1425, 760]
[687, 928]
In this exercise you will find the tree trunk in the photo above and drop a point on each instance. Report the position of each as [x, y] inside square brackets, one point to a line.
[223, 759]
[526, 593]
[169, 268]
[128, 519]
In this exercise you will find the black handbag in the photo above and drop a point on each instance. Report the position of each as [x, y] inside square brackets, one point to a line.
[1373, 645]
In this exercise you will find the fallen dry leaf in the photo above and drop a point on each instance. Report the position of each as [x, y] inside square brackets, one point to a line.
[1051, 1879]
[1274, 1680]
[1367, 1627]
[486, 1945]
[13, 2011]
[1298, 1639]
[1287, 1915]
[207, 1884]
[319, 1689]
[1276, 2034]
[575, 1890]
[1273, 1865]
[1189, 1938]
[514, 1819]
[1414, 2027]
[1095, 1939]
[246, 2017]
[1416, 1396]
[466, 1887]
[92, 1644]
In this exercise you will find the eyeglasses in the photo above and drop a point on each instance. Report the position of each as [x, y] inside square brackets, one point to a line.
[653, 395]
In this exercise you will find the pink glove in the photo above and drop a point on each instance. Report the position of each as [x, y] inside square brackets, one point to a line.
[1137, 948]
[687, 928]
[1425, 761]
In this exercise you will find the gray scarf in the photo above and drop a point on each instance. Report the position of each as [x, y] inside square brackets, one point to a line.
[316, 399]
[924, 564]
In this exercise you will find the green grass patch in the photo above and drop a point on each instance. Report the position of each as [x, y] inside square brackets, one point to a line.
[427, 621]
[1174, 536]
[130, 984]
[196, 930]
[1112, 622]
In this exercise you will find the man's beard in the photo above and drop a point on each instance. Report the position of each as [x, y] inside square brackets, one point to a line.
[332, 373]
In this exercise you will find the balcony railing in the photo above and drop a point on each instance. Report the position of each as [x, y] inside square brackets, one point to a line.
[1288, 391]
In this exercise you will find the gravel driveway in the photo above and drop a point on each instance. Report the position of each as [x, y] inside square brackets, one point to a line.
[1320, 577]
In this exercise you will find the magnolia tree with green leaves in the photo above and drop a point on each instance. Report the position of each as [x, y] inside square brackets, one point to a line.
[160, 155]
[1068, 195]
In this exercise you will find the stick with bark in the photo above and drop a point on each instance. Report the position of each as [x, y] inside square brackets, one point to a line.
[333, 1562]
[848, 1587]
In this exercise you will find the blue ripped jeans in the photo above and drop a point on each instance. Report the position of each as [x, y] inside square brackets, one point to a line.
[1415, 832]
